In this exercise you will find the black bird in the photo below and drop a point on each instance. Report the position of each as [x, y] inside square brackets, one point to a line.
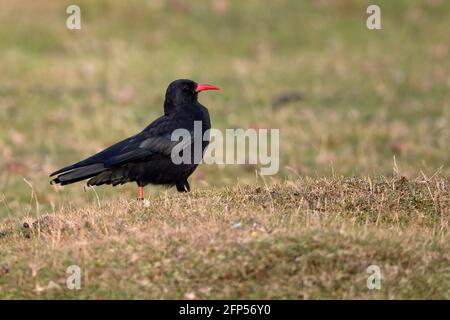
[145, 158]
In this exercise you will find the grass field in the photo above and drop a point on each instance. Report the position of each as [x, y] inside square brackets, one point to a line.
[364, 153]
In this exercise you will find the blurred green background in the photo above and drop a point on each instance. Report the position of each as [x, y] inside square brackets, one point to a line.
[362, 97]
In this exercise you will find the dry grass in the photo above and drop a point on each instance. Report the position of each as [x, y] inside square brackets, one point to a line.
[312, 238]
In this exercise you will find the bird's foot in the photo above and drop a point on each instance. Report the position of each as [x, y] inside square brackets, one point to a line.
[183, 186]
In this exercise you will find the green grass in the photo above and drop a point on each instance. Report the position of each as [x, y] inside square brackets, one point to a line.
[375, 103]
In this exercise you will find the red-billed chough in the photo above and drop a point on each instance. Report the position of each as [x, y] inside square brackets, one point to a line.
[145, 158]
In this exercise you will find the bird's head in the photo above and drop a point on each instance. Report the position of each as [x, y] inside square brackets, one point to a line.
[183, 92]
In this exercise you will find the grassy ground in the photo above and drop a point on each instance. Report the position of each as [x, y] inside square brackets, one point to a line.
[303, 239]
[369, 104]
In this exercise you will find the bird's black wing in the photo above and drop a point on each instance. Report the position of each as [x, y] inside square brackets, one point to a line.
[153, 141]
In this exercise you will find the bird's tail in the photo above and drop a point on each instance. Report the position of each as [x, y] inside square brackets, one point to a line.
[79, 174]
[112, 176]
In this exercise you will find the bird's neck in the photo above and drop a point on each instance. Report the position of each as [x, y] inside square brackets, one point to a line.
[178, 106]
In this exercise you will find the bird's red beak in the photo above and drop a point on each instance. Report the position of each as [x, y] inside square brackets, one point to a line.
[203, 87]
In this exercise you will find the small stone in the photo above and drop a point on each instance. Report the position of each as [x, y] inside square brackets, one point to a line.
[190, 295]
[236, 225]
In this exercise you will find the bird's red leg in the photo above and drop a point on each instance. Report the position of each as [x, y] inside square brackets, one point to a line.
[140, 193]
